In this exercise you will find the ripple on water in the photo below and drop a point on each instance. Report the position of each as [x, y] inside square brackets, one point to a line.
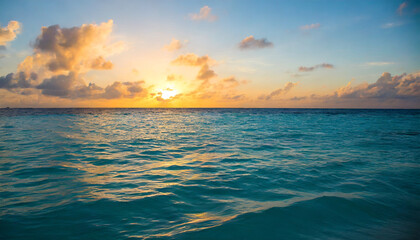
[209, 174]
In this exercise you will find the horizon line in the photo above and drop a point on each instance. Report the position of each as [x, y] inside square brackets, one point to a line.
[314, 108]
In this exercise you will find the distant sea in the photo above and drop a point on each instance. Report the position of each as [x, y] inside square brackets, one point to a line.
[209, 174]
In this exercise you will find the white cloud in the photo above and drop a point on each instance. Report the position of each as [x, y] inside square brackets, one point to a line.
[379, 63]
[391, 24]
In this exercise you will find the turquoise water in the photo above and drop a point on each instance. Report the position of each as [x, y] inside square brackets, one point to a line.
[209, 174]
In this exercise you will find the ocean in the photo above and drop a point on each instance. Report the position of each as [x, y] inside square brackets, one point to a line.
[209, 174]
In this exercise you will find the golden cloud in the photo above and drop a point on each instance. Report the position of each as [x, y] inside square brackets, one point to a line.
[204, 14]
[175, 44]
[60, 59]
[8, 33]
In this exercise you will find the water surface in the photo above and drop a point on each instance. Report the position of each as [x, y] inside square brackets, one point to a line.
[209, 174]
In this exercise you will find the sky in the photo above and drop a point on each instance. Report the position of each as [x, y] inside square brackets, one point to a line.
[168, 53]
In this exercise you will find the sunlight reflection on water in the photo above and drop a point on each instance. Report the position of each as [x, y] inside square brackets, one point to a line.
[166, 172]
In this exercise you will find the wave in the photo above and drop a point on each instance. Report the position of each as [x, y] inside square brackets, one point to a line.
[325, 217]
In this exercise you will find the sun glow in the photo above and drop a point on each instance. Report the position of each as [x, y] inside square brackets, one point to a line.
[168, 93]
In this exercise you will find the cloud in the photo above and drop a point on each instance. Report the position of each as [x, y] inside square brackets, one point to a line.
[124, 90]
[174, 45]
[295, 75]
[252, 43]
[60, 59]
[166, 95]
[391, 25]
[309, 69]
[173, 77]
[398, 91]
[386, 87]
[74, 49]
[218, 89]
[101, 64]
[8, 33]
[70, 86]
[59, 86]
[228, 83]
[234, 97]
[379, 63]
[281, 91]
[19, 80]
[310, 26]
[191, 59]
[204, 14]
[298, 98]
[401, 8]
[8, 81]
[205, 73]
[209, 86]
[231, 81]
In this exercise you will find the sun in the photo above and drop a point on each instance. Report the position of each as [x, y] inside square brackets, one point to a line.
[168, 93]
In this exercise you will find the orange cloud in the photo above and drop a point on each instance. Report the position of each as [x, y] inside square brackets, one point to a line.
[8, 33]
[173, 77]
[73, 49]
[100, 63]
[173, 45]
[204, 14]
[62, 56]
[209, 86]
[191, 59]
[205, 73]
